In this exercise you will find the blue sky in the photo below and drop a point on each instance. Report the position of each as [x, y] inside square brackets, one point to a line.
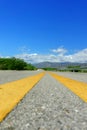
[44, 30]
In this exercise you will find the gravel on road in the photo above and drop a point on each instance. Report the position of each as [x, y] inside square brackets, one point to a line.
[48, 106]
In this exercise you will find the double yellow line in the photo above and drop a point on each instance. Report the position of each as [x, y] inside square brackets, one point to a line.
[11, 93]
[77, 87]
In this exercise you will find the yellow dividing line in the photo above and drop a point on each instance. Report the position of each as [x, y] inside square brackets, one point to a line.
[11, 93]
[79, 88]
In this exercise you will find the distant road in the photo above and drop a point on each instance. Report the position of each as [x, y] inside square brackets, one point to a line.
[8, 76]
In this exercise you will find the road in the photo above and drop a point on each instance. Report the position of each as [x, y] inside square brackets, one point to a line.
[50, 105]
[8, 75]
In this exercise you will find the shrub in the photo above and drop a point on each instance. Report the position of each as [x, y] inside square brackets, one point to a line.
[14, 64]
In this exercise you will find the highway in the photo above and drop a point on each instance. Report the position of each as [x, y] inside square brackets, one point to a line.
[47, 105]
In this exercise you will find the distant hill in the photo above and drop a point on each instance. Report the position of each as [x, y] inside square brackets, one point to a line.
[59, 65]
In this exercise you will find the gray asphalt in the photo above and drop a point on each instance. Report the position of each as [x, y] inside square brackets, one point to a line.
[8, 75]
[74, 75]
[48, 106]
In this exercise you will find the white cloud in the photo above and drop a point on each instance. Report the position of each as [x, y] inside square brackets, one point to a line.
[35, 58]
[60, 50]
[4, 56]
[60, 55]
[80, 56]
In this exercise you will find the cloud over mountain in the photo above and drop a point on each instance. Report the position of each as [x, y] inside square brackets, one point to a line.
[57, 55]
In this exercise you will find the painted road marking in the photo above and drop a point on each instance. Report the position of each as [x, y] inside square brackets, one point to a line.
[79, 88]
[11, 93]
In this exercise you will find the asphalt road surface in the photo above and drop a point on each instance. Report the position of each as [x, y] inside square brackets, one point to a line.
[48, 106]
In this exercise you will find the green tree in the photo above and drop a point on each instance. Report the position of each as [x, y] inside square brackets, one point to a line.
[15, 64]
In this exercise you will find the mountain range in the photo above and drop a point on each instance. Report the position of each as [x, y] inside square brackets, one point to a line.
[59, 64]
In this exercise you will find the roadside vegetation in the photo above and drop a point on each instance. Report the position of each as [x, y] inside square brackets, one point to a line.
[50, 69]
[15, 64]
[75, 69]
[67, 69]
